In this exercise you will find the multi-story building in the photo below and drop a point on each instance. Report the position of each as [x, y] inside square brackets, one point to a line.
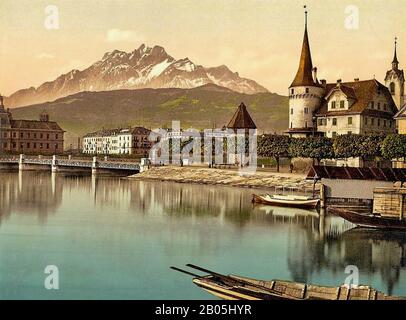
[29, 136]
[118, 141]
[359, 107]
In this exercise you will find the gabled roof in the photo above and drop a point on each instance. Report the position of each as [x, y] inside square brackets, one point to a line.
[241, 119]
[401, 113]
[363, 93]
[351, 173]
[348, 92]
[35, 125]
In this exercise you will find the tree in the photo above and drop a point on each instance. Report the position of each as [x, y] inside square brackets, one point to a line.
[346, 146]
[355, 145]
[273, 146]
[317, 148]
[394, 146]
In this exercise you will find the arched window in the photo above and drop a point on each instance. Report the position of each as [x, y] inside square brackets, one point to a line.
[392, 88]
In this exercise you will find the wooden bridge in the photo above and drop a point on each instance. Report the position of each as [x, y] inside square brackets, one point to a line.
[59, 163]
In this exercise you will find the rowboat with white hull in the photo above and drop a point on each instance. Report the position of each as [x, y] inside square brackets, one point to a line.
[286, 200]
[230, 287]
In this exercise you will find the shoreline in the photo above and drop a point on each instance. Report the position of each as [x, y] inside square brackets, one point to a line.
[224, 177]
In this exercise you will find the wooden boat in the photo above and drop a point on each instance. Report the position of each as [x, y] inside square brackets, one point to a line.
[233, 287]
[369, 220]
[286, 200]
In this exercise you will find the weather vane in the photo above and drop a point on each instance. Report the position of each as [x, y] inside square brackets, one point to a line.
[305, 7]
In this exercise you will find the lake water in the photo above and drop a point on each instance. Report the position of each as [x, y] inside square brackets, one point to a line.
[114, 238]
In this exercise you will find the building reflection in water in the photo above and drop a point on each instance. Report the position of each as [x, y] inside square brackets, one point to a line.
[29, 193]
[314, 242]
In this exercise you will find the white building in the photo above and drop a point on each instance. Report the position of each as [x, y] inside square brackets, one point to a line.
[330, 109]
[118, 141]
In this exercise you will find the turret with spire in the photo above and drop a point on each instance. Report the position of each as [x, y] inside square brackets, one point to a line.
[395, 80]
[305, 92]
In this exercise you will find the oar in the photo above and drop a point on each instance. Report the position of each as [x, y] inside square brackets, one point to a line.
[186, 272]
[206, 270]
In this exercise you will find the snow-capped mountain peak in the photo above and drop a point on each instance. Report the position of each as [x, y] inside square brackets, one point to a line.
[145, 67]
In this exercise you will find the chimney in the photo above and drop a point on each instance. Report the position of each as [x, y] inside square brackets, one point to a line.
[356, 79]
[339, 82]
[314, 74]
[323, 82]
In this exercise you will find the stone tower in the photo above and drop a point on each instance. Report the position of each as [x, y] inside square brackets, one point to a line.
[395, 81]
[305, 94]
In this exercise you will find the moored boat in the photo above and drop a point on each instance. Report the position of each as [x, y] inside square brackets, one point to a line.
[231, 287]
[286, 200]
[369, 220]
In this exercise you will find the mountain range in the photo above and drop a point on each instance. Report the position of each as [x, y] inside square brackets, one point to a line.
[145, 67]
[202, 107]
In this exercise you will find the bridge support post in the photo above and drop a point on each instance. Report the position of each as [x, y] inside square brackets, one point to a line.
[95, 165]
[21, 162]
[54, 164]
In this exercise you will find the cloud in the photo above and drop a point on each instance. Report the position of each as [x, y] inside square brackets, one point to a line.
[117, 35]
[45, 55]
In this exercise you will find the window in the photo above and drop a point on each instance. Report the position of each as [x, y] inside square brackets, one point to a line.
[28, 145]
[334, 121]
[35, 145]
[379, 106]
[291, 125]
[291, 111]
[373, 121]
[56, 136]
[372, 104]
[306, 110]
[366, 120]
[41, 135]
[333, 104]
[392, 88]
[21, 135]
[307, 90]
[48, 136]
[306, 124]
[342, 104]
[379, 122]
[292, 91]
[349, 132]
[35, 136]
[384, 123]
[350, 120]
[320, 122]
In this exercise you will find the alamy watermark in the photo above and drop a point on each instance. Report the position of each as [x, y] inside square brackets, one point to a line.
[209, 146]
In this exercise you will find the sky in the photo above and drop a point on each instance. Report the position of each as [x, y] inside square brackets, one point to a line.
[259, 39]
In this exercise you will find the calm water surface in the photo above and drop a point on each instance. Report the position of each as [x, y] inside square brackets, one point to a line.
[114, 238]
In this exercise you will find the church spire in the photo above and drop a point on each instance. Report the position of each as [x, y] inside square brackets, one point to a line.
[395, 62]
[304, 76]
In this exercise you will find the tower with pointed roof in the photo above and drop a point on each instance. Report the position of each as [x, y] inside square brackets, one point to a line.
[305, 93]
[395, 81]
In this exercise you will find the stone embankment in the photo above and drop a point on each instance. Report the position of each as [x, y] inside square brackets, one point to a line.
[235, 178]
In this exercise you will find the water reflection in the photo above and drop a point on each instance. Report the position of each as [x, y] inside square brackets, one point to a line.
[178, 223]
